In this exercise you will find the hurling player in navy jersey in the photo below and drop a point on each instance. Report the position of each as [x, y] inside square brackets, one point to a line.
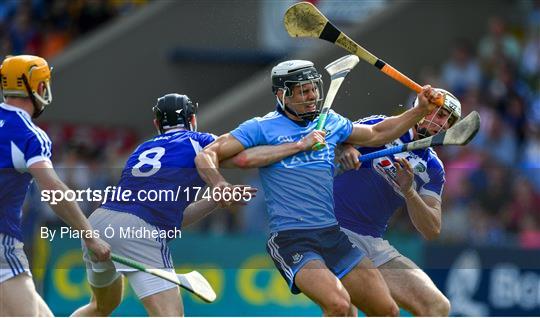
[25, 155]
[311, 252]
[366, 198]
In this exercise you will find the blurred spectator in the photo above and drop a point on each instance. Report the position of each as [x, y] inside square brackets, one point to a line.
[23, 35]
[514, 115]
[498, 140]
[505, 84]
[530, 60]
[529, 236]
[485, 229]
[498, 44]
[530, 161]
[462, 72]
[525, 203]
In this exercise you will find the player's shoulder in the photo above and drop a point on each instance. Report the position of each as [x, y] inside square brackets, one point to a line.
[16, 118]
[433, 160]
[263, 122]
[21, 123]
[199, 135]
[176, 139]
[274, 115]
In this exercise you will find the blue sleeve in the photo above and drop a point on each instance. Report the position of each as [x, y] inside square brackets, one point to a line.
[37, 147]
[249, 133]
[343, 126]
[205, 139]
[434, 187]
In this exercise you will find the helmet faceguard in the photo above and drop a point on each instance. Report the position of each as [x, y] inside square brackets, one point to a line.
[175, 111]
[290, 74]
[27, 76]
[451, 104]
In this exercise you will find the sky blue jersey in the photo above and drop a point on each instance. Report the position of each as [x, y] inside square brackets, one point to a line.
[162, 178]
[298, 189]
[22, 144]
[366, 199]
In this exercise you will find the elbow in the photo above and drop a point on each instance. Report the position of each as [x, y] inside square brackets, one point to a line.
[378, 138]
[377, 142]
[200, 159]
[242, 161]
[381, 138]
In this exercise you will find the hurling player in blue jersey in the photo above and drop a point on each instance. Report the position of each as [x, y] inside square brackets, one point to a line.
[25, 155]
[306, 244]
[366, 198]
[165, 164]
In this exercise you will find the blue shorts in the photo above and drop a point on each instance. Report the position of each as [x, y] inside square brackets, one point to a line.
[292, 249]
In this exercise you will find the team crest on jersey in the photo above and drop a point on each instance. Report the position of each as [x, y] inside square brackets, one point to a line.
[296, 258]
[419, 168]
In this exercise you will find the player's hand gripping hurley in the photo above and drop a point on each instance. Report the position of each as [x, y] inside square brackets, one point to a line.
[460, 134]
[193, 281]
[305, 20]
[337, 71]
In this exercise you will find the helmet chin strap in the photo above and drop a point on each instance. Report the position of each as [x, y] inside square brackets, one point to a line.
[307, 117]
[37, 110]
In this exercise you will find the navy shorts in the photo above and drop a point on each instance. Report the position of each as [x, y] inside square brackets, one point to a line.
[292, 249]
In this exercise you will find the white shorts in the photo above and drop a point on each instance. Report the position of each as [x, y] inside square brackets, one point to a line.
[147, 250]
[13, 261]
[379, 251]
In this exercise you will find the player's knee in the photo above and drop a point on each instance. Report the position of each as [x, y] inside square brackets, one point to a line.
[339, 305]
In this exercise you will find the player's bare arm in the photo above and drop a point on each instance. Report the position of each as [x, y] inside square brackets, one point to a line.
[393, 127]
[262, 156]
[207, 161]
[424, 211]
[68, 211]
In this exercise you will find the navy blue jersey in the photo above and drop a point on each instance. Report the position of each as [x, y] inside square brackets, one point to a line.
[164, 164]
[22, 144]
[366, 199]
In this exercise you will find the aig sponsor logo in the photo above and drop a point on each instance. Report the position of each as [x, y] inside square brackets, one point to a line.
[306, 157]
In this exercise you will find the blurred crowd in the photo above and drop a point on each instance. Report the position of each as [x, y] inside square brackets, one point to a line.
[492, 194]
[46, 27]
